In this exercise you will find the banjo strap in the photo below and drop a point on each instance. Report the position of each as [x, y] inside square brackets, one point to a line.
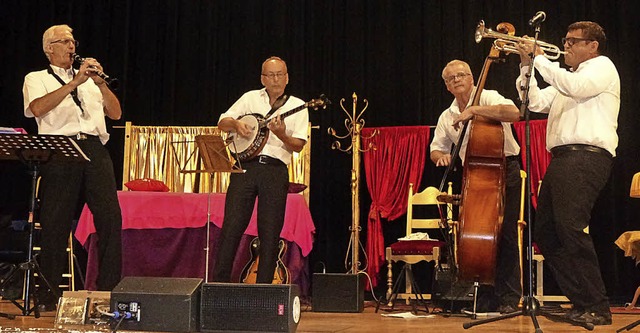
[278, 104]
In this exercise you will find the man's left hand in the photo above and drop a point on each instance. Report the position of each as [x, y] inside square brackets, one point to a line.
[91, 68]
[277, 126]
[463, 117]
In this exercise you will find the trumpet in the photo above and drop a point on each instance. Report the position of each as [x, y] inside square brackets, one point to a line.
[506, 42]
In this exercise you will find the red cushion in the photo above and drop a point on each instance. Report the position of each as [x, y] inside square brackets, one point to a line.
[536, 249]
[146, 184]
[296, 188]
[419, 247]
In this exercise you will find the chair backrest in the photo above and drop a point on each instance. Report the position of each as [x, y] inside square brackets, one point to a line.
[428, 197]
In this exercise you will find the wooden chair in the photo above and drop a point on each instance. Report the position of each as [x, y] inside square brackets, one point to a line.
[413, 251]
[71, 257]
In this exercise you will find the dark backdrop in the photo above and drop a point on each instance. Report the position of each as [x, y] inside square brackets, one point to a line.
[183, 62]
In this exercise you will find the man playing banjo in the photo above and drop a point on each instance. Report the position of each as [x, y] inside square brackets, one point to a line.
[266, 175]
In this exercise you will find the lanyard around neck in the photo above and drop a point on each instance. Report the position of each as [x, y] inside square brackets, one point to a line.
[74, 92]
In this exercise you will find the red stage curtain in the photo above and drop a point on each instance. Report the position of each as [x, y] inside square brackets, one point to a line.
[540, 157]
[398, 160]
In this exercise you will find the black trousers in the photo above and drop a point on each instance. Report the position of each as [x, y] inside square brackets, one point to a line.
[508, 288]
[569, 190]
[269, 183]
[61, 187]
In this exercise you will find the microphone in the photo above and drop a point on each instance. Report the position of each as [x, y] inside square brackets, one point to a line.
[538, 18]
[112, 82]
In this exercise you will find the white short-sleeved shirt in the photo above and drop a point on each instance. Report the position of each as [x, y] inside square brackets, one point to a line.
[445, 134]
[66, 118]
[257, 101]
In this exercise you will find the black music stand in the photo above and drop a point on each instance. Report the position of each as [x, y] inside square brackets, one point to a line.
[216, 158]
[33, 151]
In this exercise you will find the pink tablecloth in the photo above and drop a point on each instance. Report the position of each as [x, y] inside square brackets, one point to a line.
[158, 210]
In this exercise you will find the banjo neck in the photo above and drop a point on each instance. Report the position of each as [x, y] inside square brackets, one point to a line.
[285, 114]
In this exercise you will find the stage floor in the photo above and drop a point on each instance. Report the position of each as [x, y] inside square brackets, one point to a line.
[366, 322]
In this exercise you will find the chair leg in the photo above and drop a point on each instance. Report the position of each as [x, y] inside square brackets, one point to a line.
[540, 281]
[391, 300]
[476, 285]
[405, 274]
[389, 274]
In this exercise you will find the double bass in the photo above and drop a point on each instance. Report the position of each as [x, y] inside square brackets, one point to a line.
[482, 195]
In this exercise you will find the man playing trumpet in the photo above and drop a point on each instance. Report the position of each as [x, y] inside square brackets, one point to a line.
[583, 105]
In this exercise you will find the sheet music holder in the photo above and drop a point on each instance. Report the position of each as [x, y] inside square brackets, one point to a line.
[34, 150]
[215, 155]
[40, 149]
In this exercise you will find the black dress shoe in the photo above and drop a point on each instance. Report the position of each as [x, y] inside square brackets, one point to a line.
[574, 313]
[507, 308]
[47, 302]
[47, 307]
[594, 318]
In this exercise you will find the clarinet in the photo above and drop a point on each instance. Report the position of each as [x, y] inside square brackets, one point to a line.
[111, 81]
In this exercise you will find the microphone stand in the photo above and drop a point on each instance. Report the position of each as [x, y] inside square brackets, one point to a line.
[530, 305]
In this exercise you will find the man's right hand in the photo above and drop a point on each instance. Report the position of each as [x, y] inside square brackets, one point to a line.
[243, 129]
[444, 160]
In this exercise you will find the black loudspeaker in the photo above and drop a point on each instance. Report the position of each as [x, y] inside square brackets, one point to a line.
[249, 307]
[336, 292]
[447, 289]
[157, 303]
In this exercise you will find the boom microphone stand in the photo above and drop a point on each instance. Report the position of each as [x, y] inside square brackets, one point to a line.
[530, 305]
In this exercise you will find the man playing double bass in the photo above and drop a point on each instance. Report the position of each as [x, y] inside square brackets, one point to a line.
[459, 82]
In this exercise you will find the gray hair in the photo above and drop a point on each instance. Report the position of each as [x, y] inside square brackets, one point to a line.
[456, 62]
[48, 35]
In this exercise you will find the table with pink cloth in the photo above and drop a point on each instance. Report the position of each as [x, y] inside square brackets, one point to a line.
[164, 234]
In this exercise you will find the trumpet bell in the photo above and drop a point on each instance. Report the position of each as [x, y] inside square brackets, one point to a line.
[480, 30]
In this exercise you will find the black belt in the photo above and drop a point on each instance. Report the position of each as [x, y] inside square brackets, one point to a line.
[84, 136]
[559, 150]
[513, 158]
[264, 159]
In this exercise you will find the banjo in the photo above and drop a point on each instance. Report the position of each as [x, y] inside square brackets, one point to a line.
[246, 148]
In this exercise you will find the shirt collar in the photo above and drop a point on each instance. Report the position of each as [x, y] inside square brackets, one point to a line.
[584, 63]
[61, 71]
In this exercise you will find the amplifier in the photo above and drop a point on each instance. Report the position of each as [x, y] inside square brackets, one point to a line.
[336, 292]
[249, 307]
[158, 303]
[447, 289]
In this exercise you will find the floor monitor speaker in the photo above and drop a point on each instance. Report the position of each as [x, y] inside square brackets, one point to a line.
[228, 307]
[157, 303]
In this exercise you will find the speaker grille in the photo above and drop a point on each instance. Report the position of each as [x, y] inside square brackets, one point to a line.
[244, 307]
[335, 292]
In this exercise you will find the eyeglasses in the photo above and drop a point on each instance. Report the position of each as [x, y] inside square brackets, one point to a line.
[66, 42]
[572, 40]
[275, 75]
[460, 76]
